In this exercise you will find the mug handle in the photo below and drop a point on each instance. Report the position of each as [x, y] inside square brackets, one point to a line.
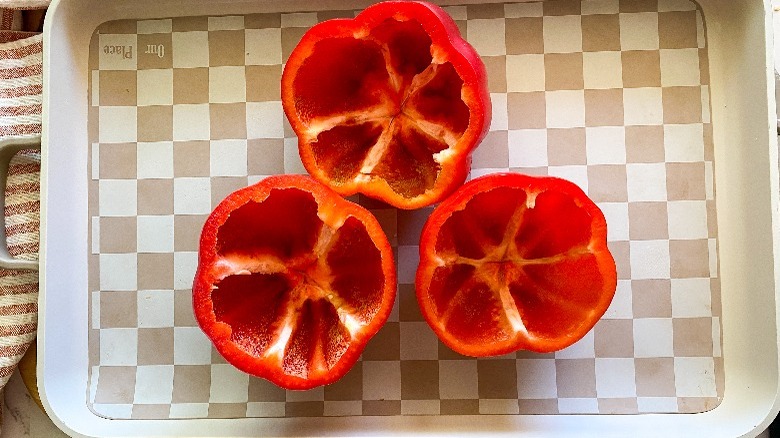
[9, 148]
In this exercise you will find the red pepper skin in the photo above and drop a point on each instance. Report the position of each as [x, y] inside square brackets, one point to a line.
[390, 104]
[292, 281]
[514, 262]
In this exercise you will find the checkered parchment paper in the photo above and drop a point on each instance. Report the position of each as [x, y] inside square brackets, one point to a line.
[612, 95]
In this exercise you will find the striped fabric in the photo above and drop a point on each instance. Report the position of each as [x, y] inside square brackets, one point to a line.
[20, 115]
[12, 22]
[24, 4]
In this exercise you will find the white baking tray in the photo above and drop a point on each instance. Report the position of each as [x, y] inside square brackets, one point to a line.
[742, 106]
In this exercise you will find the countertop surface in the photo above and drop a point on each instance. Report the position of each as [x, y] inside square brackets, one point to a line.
[21, 416]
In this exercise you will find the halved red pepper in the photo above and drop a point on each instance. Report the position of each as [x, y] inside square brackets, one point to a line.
[292, 281]
[389, 104]
[514, 262]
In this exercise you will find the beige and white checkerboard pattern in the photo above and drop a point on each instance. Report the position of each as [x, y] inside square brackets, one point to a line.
[610, 94]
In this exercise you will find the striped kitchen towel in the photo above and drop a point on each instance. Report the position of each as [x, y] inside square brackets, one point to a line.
[20, 116]
[15, 23]
[24, 4]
